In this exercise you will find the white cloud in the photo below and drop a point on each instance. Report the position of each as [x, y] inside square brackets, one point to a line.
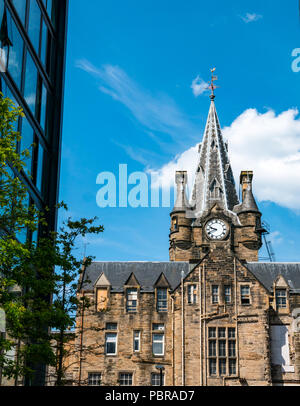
[275, 237]
[199, 86]
[268, 144]
[251, 17]
[165, 176]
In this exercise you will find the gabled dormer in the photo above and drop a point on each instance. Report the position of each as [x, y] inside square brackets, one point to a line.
[132, 292]
[281, 295]
[162, 287]
[102, 293]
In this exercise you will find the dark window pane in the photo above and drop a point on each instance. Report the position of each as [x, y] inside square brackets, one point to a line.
[136, 340]
[231, 349]
[131, 300]
[212, 366]
[212, 349]
[280, 298]
[245, 294]
[158, 344]
[212, 332]
[125, 379]
[34, 25]
[232, 367]
[111, 326]
[155, 379]
[111, 343]
[227, 290]
[215, 294]
[222, 332]
[222, 366]
[30, 83]
[162, 303]
[222, 348]
[94, 379]
[231, 332]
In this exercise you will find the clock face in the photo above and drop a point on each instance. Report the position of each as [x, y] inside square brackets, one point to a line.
[216, 229]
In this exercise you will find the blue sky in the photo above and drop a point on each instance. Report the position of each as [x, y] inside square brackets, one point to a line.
[130, 99]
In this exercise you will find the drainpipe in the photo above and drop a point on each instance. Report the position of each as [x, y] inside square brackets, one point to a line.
[182, 332]
[81, 343]
[204, 294]
[173, 349]
[236, 319]
[200, 325]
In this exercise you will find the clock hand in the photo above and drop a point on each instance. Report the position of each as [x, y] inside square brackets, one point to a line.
[212, 229]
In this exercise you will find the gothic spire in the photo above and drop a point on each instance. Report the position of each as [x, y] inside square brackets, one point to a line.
[214, 182]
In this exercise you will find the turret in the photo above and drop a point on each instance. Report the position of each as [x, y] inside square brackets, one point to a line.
[180, 231]
[248, 236]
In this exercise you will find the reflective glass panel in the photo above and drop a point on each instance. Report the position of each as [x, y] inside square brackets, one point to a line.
[26, 143]
[15, 52]
[39, 172]
[30, 83]
[34, 25]
[43, 107]
[44, 41]
[20, 6]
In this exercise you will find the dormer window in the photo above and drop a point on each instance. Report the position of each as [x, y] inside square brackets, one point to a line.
[162, 300]
[281, 298]
[132, 300]
[102, 298]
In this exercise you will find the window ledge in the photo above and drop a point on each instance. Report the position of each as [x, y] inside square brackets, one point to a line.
[287, 368]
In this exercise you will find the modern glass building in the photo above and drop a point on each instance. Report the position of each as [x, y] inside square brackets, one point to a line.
[32, 64]
[33, 39]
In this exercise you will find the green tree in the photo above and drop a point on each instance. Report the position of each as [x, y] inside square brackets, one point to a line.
[37, 279]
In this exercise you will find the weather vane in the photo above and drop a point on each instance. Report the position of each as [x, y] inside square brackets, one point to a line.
[212, 86]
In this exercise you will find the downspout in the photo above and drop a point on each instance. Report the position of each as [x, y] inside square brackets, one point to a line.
[204, 294]
[173, 349]
[83, 268]
[81, 343]
[200, 325]
[236, 319]
[182, 333]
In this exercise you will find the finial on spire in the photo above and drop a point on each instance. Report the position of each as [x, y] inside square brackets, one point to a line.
[212, 86]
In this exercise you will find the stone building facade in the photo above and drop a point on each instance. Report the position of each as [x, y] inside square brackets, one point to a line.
[211, 316]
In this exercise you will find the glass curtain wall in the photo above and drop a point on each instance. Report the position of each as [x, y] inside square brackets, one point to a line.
[33, 46]
[33, 41]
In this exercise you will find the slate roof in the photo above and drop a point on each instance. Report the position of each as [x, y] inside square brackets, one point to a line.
[267, 272]
[147, 273]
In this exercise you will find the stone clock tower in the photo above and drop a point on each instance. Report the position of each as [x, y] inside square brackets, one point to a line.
[214, 218]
